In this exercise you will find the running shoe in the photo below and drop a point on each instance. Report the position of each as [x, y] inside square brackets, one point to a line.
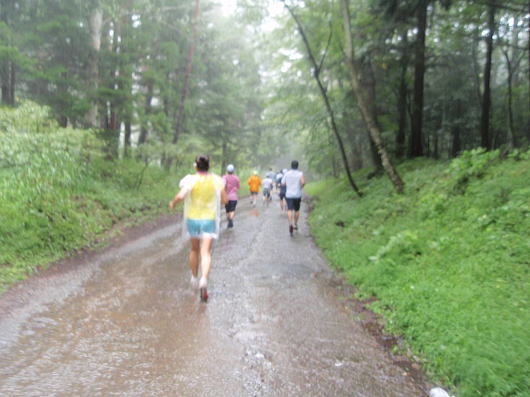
[194, 282]
[204, 294]
[230, 223]
[295, 227]
[291, 228]
[202, 289]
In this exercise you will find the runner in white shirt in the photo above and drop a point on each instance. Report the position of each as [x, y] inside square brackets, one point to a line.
[294, 182]
[267, 186]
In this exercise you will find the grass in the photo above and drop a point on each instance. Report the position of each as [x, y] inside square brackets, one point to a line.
[40, 227]
[448, 261]
[59, 194]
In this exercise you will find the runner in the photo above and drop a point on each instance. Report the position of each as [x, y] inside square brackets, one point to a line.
[271, 174]
[202, 193]
[254, 183]
[281, 189]
[294, 182]
[267, 185]
[232, 185]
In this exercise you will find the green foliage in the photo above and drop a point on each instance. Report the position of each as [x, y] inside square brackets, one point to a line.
[471, 164]
[448, 262]
[58, 193]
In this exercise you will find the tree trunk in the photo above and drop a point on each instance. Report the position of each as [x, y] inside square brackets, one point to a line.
[115, 123]
[187, 73]
[416, 137]
[528, 74]
[126, 78]
[95, 27]
[456, 145]
[127, 137]
[476, 66]
[511, 129]
[485, 135]
[12, 83]
[367, 109]
[144, 129]
[8, 83]
[7, 67]
[316, 75]
[402, 99]
[367, 83]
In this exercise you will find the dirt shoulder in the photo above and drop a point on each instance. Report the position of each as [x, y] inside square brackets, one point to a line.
[122, 233]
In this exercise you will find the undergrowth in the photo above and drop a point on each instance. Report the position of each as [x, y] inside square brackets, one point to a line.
[58, 193]
[448, 261]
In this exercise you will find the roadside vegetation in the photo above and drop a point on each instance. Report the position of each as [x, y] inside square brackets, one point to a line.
[59, 192]
[62, 189]
[448, 262]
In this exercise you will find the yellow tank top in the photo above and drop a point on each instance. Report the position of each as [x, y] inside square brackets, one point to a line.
[204, 196]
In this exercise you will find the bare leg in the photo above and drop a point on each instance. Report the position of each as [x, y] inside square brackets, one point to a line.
[193, 259]
[290, 217]
[206, 256]
[296, 217]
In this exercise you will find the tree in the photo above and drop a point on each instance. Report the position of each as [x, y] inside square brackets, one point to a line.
[189, 64]
[485, 136]
[366, 107]
[95, 24]
[316, 74]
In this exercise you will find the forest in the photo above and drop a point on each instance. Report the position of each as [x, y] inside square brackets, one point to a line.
[105, 104]
[428, 78]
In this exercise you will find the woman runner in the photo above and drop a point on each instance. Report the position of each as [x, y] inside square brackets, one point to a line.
[203, 193]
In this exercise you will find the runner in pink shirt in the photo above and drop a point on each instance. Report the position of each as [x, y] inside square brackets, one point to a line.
[232, 185]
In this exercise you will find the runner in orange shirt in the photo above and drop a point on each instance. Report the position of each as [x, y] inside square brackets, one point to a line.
[254, 184]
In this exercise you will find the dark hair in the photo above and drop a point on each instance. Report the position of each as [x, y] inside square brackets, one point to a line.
[294, 164]
[202, 162]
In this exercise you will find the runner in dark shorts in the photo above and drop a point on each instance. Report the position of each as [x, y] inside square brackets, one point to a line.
[231, 206]
[281, 189]
[232, 185]
[294, 181]
[293, 204]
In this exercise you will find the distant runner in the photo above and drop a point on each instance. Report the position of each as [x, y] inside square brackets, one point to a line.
[267, 185]
[232, 185]
[203, 193]
[271, 174]
[294, 182]
[281, 189]
[254, 183]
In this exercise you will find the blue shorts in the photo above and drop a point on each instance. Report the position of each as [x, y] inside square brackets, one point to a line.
[199, 227]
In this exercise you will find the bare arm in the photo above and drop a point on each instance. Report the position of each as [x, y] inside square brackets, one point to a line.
[224, 197]
[302, 181]
[178, 198]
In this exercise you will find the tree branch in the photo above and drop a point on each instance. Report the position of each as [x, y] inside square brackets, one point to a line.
[327, 48]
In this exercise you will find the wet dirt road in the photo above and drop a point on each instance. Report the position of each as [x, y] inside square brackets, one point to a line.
[127, 323]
